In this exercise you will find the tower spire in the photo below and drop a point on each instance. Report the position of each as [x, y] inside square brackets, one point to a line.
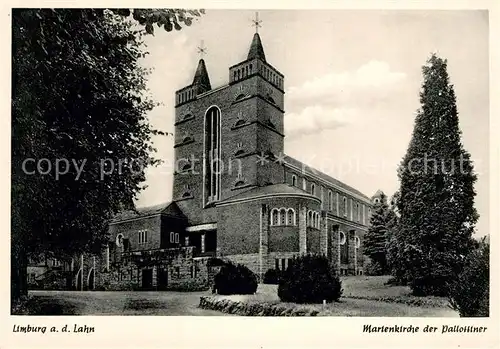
[201, 79]
[256, 49]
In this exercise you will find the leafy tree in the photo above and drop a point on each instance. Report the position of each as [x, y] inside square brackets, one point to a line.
[436, 204]
[78, 95]
[375, 241]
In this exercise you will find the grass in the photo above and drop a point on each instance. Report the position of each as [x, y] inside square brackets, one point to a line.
[363, 296]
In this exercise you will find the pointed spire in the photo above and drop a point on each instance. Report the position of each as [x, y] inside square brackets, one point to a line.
[201, 78]
[256, 49]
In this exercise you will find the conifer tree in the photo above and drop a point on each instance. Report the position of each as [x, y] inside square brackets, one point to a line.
[375, 241]
[436, 200]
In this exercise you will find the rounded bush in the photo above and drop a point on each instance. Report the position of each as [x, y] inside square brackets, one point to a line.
[309, 279]
[271, 276]
[235, 279]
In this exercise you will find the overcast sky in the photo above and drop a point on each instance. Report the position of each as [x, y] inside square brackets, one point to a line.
[351, 79]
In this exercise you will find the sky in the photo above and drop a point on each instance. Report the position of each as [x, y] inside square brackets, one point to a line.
[352, 81]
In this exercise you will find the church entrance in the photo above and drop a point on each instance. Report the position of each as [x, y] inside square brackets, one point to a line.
[162, 279]
[147, 279]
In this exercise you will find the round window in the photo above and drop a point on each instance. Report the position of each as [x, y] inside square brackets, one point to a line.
[342, 238]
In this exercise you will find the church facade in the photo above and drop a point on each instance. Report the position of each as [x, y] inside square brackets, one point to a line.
[236, 195]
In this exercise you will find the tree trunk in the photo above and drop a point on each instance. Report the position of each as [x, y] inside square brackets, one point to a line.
[19, 275]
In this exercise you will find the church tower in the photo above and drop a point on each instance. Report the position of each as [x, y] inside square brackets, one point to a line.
[228, 139]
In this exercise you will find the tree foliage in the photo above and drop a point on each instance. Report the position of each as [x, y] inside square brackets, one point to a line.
[470, 293]
[378, 235]
[79, 97]
[436, 202]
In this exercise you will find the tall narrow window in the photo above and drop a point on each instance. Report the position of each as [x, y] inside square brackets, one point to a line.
[275, 217]
[291, 216]
[294, 180]
[213, 154]
[313, 189]
[345, 206]
[351, 213]
[283, 216]
[330, 201]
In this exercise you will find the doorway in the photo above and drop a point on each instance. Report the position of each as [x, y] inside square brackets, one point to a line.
[162, 279]
[147, 279]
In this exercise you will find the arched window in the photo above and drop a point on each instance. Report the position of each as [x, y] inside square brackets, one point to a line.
[357, 242]
[313, 189]
[251, 68]
[318, 220]
[213, 154]
[283, 216]
[330, 200]
[294, 180]
[274, 216]
[239, 183]
[239, 122]
[342, 238]
[234, 75]
[291, 216]
[309, 218]
[270, 99]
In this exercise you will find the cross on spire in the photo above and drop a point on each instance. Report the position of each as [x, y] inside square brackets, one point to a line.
[202, 50]
[256, 22]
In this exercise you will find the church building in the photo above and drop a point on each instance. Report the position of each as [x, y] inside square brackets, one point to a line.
[236, 195]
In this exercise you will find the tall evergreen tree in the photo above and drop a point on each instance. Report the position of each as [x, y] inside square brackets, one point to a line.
[436, 200]
[375, 241]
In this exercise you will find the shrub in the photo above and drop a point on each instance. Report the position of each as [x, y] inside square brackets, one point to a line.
[309, 279]
[272, 276]
[374, 269]
[470, 293]
[235, 279]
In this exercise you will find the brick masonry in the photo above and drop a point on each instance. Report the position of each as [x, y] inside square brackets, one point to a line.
[251, 106]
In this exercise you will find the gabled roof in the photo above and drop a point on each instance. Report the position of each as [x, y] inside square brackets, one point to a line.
[256, 48]
[165, 209]
[268, 190]
[323, 176]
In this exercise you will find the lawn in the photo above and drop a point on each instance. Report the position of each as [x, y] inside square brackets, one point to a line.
[362, 296]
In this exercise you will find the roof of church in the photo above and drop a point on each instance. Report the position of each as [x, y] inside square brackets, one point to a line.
[378, 193]
[256, 48]
[166, 209]
[201, 76]
[281, 188]
[323, 176]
